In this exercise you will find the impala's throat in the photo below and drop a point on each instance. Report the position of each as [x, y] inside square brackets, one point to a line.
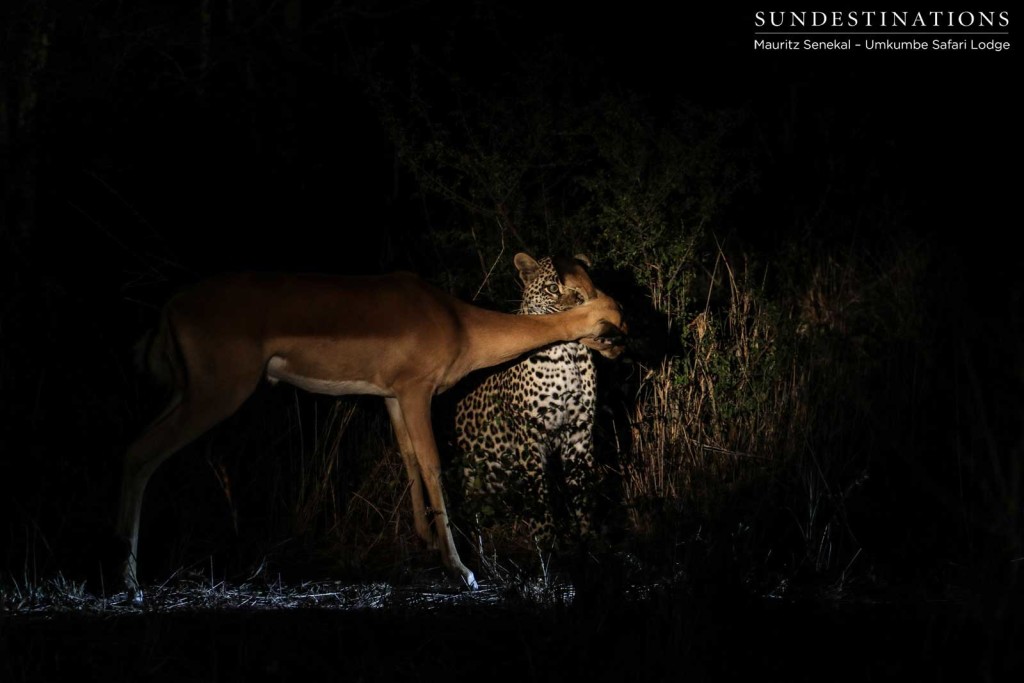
[277, 371]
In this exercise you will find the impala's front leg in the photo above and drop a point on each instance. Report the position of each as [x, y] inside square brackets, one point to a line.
[412, 468]
[415, 410]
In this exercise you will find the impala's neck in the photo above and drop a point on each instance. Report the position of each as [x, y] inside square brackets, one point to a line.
[494, 338]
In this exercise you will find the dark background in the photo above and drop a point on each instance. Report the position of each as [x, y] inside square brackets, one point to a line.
[147, 144]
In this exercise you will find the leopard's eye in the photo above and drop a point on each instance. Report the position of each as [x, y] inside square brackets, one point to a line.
[552, 289]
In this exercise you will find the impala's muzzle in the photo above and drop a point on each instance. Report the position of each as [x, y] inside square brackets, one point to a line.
[611, 341]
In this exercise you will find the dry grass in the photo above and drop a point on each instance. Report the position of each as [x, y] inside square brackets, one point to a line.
[763, 408]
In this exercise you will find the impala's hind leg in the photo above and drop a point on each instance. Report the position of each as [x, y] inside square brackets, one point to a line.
[188, 417]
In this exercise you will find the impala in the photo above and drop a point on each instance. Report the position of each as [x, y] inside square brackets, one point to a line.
[394, 336]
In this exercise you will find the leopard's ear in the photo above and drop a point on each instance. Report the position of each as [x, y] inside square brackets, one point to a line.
[584, 259]
[527, 266]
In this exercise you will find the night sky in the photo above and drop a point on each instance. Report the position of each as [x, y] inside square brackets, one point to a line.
[282, 140]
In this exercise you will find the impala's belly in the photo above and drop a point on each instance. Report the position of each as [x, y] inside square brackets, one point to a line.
[278, 371]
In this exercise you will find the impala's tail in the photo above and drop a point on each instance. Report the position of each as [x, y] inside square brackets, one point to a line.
[141, 350]
[157, 354]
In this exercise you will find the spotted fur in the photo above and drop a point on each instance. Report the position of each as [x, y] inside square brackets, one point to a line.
[525, 436]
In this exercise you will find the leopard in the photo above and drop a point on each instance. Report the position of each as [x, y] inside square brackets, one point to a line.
[525, 435]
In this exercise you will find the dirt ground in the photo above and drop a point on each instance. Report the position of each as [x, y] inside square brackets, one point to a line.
[380, 633]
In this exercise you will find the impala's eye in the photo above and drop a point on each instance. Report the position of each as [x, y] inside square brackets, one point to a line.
[552, 289]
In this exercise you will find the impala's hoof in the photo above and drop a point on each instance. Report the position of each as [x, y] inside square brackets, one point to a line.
[470, 580]
[131, 584]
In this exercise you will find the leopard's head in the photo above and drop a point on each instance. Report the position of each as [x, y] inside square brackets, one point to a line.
[553, 285]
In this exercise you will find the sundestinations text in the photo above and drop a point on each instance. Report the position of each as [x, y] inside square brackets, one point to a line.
[882, 19]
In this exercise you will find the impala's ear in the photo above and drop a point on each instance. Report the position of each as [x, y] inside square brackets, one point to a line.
[574, 276]
[527, 266]
[584, 259]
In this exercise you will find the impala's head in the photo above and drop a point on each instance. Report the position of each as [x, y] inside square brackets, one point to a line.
[610, 332]
[559, 284]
